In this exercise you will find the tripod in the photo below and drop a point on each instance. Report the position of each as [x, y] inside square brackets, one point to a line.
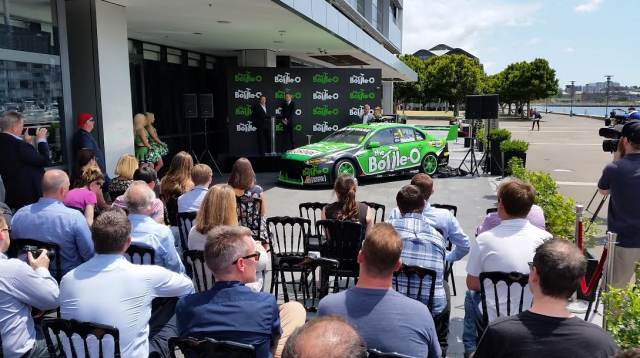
[473, 169]
[595, 213]
[206, 148]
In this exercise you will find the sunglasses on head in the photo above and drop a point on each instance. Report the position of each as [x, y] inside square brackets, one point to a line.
[255, 255]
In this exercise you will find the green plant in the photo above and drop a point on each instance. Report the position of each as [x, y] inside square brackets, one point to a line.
[499, 135]
[558, 210]
[514, 146]
[623, 314]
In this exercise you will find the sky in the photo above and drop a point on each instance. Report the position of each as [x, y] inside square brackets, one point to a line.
[583, 40]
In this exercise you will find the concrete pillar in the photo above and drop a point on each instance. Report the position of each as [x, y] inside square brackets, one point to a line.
[257, 58]
[99, 71]
[387, 97]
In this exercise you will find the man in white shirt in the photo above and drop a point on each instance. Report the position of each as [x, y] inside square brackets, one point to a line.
[189, 202]
[110, 290]
[22, 287]
[147, 232]
[506, 248]
[366, 116]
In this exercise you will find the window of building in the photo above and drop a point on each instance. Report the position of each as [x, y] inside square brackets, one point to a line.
[393, 11]
[360, 7]
[376, 14]
[194, 59]
[151, 52]
[174, 56]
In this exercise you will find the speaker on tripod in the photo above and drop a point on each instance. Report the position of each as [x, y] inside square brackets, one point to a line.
[482, 107]
[204, 111]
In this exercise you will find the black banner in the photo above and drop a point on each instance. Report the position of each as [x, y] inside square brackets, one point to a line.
[326, 99]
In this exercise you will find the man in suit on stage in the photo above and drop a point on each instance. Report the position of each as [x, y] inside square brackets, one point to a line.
[21, 165]
[288, 113]
[260, 118]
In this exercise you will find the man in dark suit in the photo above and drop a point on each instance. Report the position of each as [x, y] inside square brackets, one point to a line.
[83, 139]
[288, 113]
[21, 165]
[260, 118]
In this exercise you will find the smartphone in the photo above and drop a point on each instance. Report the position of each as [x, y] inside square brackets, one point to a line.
[32, 131]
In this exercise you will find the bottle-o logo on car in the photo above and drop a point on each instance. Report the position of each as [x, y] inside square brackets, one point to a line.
[392, 159]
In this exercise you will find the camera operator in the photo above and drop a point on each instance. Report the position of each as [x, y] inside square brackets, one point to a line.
[22, 287]
[621, 180]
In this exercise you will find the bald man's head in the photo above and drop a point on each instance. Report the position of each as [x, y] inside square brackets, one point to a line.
[138, 198]
[325, 337]
[55, 184]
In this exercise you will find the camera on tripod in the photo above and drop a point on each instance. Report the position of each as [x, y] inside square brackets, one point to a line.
[35, 252]
[620, 116]
[613, 134]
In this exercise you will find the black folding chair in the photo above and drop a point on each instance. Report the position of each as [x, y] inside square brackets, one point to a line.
[209, 348]
[289, 240]
[171, 208]
[185, 222]
[140, 251]
[509, 279]
[313, 212]
[81, 329]
[374, 353]
[448, 269]
[249, 210]
[309, 290]
[197, 269]
[344, 241]
[378, 211]
[420, 273]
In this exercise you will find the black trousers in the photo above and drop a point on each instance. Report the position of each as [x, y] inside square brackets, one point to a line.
[287, 136]
[441, 321]
[162, 326]
[264, 143]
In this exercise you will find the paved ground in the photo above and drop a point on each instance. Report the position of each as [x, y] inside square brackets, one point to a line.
[562, 143]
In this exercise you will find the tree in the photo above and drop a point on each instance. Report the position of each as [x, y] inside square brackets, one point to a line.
[528, 81]
[452, 78]
[404, 92]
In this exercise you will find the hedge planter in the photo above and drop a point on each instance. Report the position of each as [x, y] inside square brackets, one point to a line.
[467, 142]
[495, 163]
[506, 157]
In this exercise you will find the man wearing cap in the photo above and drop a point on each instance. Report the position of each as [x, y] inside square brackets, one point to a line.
[83, 139]
[621, 180]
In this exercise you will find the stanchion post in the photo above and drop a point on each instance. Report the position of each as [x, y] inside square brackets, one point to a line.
[273, 135]
[608, 278]
[579, 210]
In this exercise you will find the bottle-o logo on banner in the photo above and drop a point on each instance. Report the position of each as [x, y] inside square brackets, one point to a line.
[246, 94]
[361, 80]
[279, 111]
[247, 77]
[325, 96]
[280, 94]
[361, 95]
[324, 127]
[246, 127]
[324, 78]
[286, 78]
[244, 111]
[280, 127]
[356, 111]
[325, 111]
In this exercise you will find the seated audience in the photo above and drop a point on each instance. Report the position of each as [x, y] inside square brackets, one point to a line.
[22, 286]
[149, 176]
[387, 320]
[110, 290]
[548, 329]
[243, 181]
[125, 169]
[325, 337]
[440, 219]
[230, 310]
[147, 232]
[535, 217]
[176, 182]
[49, 220]
[84, 196]
[423, 246]
[86, 159]
[201, 176]
[347, 208]
[506, 248]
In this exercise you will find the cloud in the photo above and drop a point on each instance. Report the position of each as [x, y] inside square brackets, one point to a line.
[590, 6]
[569, 49]
[534, 41]
[460, 23]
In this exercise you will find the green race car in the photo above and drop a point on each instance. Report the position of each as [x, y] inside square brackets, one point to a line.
[371, 150]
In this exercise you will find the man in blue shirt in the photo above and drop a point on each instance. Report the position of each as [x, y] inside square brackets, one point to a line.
[386, 319]
[189, 202]
[83, 139]
[230, 310]
[147, 232]
[423, 246]
[49, 220]
[23, 287]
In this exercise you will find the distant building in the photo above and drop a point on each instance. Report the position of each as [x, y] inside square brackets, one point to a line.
[598, 87]
[440, 50]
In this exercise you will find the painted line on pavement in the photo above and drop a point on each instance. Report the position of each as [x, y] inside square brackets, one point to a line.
[576, 183]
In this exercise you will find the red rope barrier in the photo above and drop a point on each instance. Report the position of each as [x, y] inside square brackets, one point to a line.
[588, 290]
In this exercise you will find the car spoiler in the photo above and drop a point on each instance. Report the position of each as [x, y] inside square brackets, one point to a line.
[452, 130]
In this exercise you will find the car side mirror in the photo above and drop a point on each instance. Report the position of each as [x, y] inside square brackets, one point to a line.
[373, 145]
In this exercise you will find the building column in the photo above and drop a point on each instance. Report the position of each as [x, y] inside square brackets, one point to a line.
[99, 71]
[256, 58]
[387, 97]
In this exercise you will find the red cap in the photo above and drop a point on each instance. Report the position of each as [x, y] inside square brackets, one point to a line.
[83, 118]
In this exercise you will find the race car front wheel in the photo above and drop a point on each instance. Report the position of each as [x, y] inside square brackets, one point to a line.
[429, 164]
[344, 166]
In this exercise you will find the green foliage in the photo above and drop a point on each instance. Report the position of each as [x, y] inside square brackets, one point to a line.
[623, 99]
[514, 146]
[523, 82]
[404, 92]
[499, 135]
[491, 84]
[623, 315]
[558, 210]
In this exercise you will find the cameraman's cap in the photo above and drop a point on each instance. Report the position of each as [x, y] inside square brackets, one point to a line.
[631, 130]
[634, 115]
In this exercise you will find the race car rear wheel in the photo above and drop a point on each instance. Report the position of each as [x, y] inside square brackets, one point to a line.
[429, 164]
[344, 166]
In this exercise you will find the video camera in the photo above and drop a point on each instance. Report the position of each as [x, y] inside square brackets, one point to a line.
[35, 251]
[613, 134]
[618, 115]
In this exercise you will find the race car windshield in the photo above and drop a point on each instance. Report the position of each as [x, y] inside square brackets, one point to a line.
[348, 136]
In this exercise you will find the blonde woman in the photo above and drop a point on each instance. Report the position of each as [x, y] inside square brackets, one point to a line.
[85, 195]
[219, 208]
[127, 165]
[175, 183]
[158, 148]
[141, 139]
